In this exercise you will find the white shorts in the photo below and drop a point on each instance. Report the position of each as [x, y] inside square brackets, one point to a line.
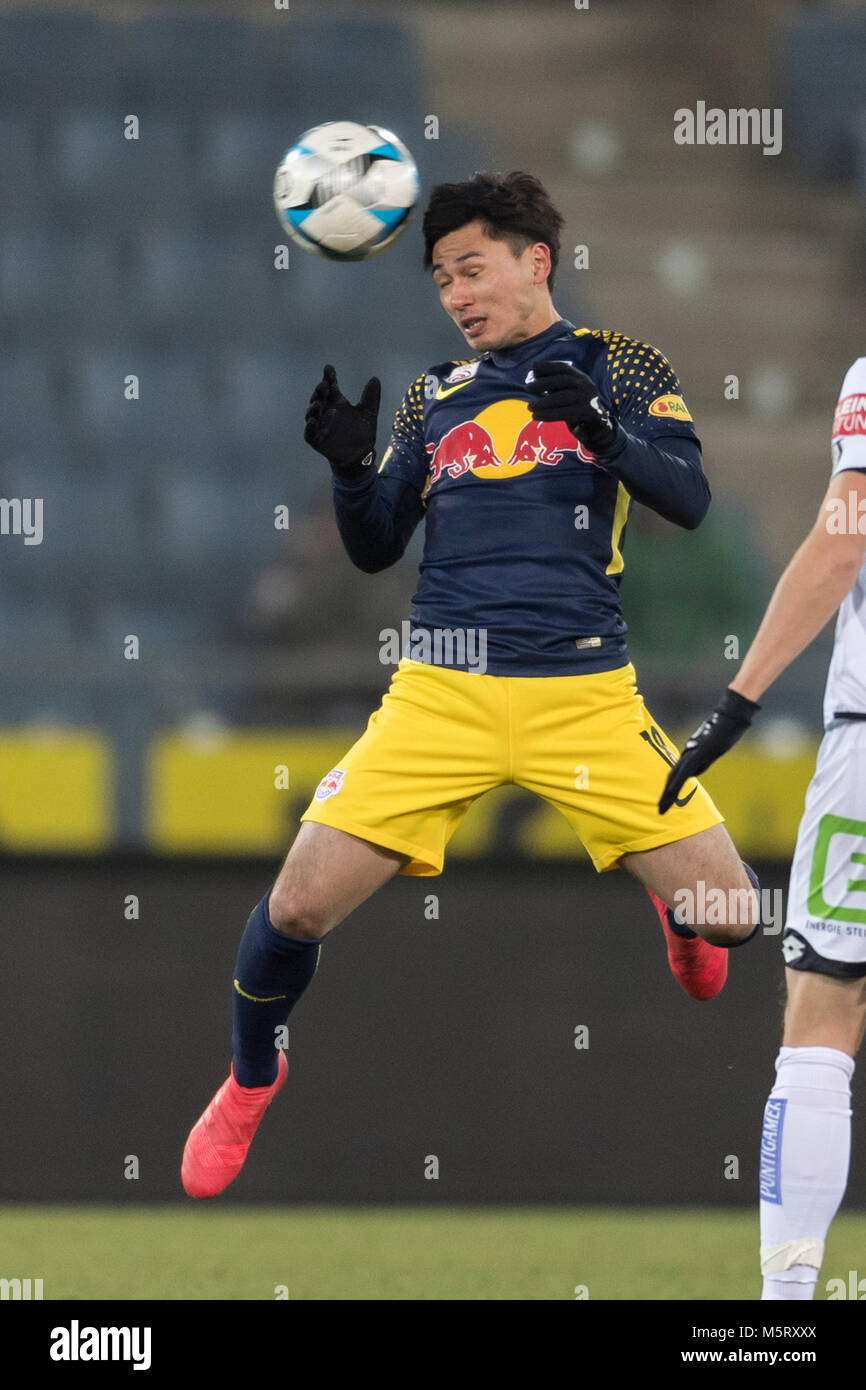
[825, 928]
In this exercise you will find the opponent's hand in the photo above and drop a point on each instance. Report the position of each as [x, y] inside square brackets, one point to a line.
[727, 723]
[565, 393]
[344, 433]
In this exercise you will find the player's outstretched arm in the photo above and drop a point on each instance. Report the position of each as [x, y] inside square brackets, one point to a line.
[808, 594]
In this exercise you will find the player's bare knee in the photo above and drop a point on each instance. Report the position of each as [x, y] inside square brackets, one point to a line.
[294, 917]
[729, 917]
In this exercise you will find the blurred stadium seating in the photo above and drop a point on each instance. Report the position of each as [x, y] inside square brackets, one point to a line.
[825, 93]
[154, 258]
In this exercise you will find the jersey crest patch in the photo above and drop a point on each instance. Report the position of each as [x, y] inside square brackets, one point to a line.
[463, 373]
[330, 784]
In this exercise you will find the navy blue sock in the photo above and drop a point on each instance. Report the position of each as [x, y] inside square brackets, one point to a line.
[271, 973]
[681, 930]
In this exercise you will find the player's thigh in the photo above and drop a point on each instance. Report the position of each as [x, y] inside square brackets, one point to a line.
[710, 855]
[824, 1011]
[327, 874]
[710, 858]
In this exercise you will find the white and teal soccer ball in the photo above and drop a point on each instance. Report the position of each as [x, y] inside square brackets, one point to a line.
[346, 191]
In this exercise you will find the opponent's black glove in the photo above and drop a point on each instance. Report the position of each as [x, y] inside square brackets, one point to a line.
[565, 393]
[727, 723]
[344, 433]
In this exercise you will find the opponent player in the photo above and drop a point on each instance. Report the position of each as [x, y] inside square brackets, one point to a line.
[523, 462]
[806, 1139]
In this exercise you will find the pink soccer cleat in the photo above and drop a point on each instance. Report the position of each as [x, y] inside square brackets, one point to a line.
[219, 1141]
[698, 966]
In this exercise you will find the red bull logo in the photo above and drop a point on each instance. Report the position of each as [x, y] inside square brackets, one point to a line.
[502, 441]
[330, 784]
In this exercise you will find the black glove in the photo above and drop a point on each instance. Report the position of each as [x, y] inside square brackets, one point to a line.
[727, 723]
[344, 433]
[570, 395]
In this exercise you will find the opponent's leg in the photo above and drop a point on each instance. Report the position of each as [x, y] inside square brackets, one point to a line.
[806, 1137]
[807, 1127]
[326, 875]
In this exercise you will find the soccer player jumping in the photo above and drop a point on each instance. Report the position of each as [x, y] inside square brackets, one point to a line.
[806, 1138]
[522, 461]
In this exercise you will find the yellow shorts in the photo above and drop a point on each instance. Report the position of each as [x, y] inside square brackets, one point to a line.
[442, 737]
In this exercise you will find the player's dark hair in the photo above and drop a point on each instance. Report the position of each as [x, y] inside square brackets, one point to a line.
[512, 207]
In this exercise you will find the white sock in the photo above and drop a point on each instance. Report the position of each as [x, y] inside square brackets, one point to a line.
[805, 1150]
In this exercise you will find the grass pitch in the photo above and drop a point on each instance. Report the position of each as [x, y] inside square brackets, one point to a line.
[224, 1252]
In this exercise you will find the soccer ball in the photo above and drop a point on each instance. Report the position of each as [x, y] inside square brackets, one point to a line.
[346, 191]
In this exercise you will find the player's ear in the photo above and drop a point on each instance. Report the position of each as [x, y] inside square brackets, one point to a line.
[540, 262]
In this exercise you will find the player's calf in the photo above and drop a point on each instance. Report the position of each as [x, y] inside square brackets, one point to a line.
[326, 874]
[271, 973]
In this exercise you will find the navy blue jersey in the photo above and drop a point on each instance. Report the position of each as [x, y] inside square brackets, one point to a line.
[523, 530]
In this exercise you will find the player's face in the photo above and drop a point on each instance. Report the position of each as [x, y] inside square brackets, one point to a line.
[495, 298]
